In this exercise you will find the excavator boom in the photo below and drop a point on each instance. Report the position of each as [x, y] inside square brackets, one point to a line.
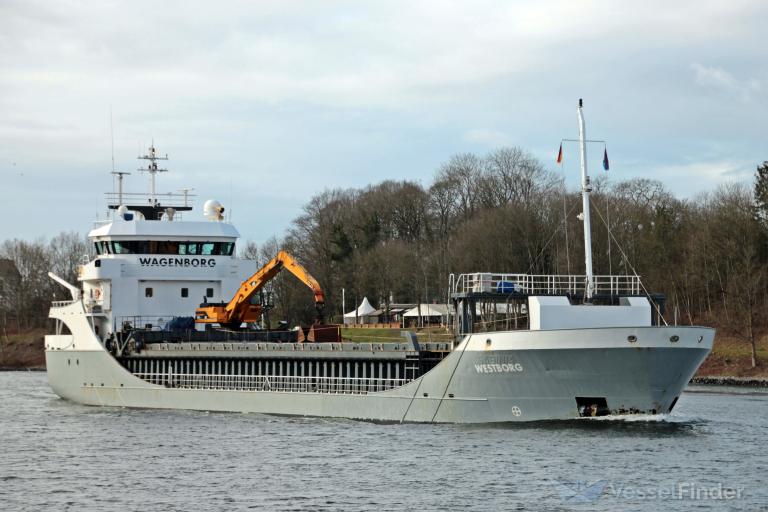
[240, 309]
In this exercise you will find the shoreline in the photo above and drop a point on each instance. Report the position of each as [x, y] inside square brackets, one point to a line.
[724, 380]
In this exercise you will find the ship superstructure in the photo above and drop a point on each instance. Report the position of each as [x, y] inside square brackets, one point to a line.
[526, 347]
[151, 266]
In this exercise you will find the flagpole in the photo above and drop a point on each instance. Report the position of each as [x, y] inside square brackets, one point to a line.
[585, 190]
[608, 225]
[565, 224]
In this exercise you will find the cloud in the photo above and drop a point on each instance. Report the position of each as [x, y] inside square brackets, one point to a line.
[709, 170]
[490, 138]
[720, 79]
[340, 92]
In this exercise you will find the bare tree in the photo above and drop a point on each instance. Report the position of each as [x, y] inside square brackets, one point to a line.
[461, 176]
[514, 175]
[741, 270]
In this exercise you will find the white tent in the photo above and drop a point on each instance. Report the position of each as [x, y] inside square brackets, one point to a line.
[362, 313]
[428, 311]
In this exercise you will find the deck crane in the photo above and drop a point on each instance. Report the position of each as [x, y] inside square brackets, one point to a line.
[238, 310]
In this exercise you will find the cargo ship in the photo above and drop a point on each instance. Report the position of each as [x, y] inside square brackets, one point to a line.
[165, 316]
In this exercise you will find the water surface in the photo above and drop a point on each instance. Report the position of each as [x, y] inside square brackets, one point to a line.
[57, 455]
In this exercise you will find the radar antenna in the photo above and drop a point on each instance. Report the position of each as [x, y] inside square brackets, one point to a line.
[152, 169]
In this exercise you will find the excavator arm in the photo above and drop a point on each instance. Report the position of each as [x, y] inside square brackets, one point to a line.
[240, 309]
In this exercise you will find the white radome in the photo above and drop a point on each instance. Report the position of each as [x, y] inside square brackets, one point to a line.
[212, 209]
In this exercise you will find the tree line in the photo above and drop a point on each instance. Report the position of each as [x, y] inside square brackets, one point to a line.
[26, 291]
[506, 212]
[398, 241]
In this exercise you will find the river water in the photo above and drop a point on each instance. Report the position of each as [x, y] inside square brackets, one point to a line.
[710, 454]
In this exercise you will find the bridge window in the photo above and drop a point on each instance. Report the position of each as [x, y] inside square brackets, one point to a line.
[102, 247]
[209, 292]
[168, 248]
[124, 247]
[165, 247]
[185, 292]
[148, 292]
[188, 248]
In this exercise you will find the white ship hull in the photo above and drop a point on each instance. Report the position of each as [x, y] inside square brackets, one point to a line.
[489, 377]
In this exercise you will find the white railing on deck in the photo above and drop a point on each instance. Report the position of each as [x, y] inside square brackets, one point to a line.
[62, 303]
[144, 199]
[144, 322]
[542, 284]
[282, 383]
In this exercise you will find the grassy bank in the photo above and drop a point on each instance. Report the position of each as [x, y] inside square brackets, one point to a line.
[731, 357]
[23, 350]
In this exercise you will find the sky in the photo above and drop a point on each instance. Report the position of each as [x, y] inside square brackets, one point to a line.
[263, 105]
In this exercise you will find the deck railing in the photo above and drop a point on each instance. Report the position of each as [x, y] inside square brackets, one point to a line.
[143, 322]
[62, 303]
[281, 383]
[142, 198]
[542, 284]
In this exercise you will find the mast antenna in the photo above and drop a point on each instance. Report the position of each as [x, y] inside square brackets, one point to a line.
[152, 169]
[112, 136]
[586, 188]
[119, 175]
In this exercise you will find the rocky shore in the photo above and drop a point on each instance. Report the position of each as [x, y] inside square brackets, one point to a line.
[755, 382]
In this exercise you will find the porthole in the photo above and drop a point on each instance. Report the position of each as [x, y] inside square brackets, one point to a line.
[674, 339]
[632, 338]
[701, 338]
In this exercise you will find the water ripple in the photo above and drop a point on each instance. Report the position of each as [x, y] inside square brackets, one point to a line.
[62, 456]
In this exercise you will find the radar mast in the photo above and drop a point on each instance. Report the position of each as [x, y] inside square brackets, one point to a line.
[152, 169]
[150, 205]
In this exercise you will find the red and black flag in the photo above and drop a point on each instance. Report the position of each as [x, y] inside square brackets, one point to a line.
[560, 154]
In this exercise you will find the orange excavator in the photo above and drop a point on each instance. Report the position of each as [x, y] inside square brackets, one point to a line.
[238, 310]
